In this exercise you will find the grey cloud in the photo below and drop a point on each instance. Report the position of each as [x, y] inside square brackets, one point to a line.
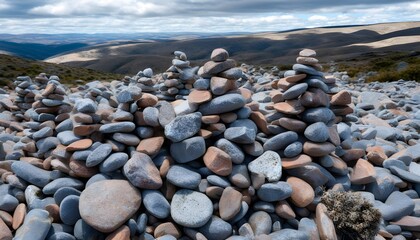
[205, 8]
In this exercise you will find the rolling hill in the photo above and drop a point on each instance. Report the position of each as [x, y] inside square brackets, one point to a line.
[269, 48]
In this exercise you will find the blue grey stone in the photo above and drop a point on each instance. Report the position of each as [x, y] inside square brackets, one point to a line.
[216, 228]
[82, 230]
[260, 223]
[264, 206]
[151, 116]
[317, 83]
[58, 183]
[113, 162]
[117, 127]
[307, 69]
[37, 223]
[142, 222]
[202, 84]
[309, 227]
[65, 125]
[344, 131]
[8, 202]
[67, 137]
[233, 150]
[42, 133]
[280, 141]
[156, 203]
[218, 181]
[183, 176]
[188, 150]
[317, 132]
[247, 123]
[320, 114]
[293, 149]
[242, 212]
[393, 229]
[34, 175]
[69, 210]
[166, 113]
[86, 105]
[271, 192]
[51, 102]
[241, 135]
[388, 163]
[63, 192]
[289, 234]
[396, 206]
[295, 91]
[46, 144]
[43, 117]
[81, 155]
[183, 127]
[222, 104]
[61, 236]
[129, 94]
[96, 178]
[144, 132]
[98, 155]
[406, 175]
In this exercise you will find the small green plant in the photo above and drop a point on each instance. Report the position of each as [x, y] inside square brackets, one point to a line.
[354, 218]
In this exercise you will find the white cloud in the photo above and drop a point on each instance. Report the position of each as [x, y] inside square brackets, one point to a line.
[97, 8]
[4, 5]
[317, 18]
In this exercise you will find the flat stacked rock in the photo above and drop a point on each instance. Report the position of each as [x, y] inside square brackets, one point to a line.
[145, 81]
[25, 90]
[178, 80]
[224, 163]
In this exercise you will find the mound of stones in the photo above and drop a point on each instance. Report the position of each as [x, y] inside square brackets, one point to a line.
[210, 154]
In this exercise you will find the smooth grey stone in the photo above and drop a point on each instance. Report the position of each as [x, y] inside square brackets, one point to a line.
[117, 127]
[37, 223]
[268, 165]
[129, 94]
[82, 231]
[233, 73]
[306, 69]
[393, 229]
[295, 91]
[148, 72]
[66, 125]
[406, 175]
[396, 206]
[98, 155]
[58, 183]
[264, 206]
[180, 63]
[317, 132]
[309, 227]
[8, 202]
[188, 150]
[63, 192]
[222, 104]
[183, 177]
[280, 141]
[67, 137]
[202, 84]
[113, 162]
[247, 123]
[142, 222]
[34, 175]
[86, 105]
[260, 223]
[343, 131]
[242, 212]
[51, 102]
[293, 149]
[388, 163]
[240, 176]
[144, 132]
[156, 204]
[370, 133]
[320, 114]
[126, 139]
[218, 181]
[190, 208]
[46, 144]
[241, 135]
[271, 192]
[386, 133]
[183, 127]
[69, 210]
[151, 116]
[81, 155]
[98, 177]
[42, 133]
[216, 228]
[61, 236]
[166, 113]
[317, 83]
[244, 113]
[233, 150]
[289, 234]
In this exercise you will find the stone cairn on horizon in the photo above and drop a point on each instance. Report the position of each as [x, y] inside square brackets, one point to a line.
[196, 156]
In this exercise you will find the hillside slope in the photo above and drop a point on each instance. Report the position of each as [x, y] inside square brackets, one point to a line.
[273, 48]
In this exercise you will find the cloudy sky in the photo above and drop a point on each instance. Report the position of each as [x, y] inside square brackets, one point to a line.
[127, 16]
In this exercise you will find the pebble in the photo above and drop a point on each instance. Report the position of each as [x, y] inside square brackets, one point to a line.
[34, 175]
[317, 132]
[218, 161]
[98, 155]
[260, 223]
[113, 162]
[241, 135]
[188, 150]
[230, 203]
[107, 204]
[271, 192]
[37, 223]
[117, 127]
[142, 172]
[216, 229]
[268, 164]
[190, 208]
[156, 203]
[183, 176]
[222, 104]
[183, 127]
[69, 210]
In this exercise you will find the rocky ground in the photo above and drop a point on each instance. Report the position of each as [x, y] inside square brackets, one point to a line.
[216, 152]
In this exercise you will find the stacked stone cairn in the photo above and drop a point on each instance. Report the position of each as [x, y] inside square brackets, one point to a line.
[178, 80]
[115, 162]
[25, 90]
[145, 81]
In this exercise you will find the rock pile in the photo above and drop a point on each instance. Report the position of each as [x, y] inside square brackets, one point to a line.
[114, 161]
[145, 80]
[178, 80]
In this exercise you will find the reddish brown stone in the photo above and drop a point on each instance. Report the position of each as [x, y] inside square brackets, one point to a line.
[206, 134]
[246, 94]
[302, 193]
[199, 96]
[292, 107]
[86, 130]
[147, 100]
[292, 124]
[167, 228]
[80, 145]
[122, 233]
[294, 162]
[230, 203]
[209, 119]
[376, 155]
[218, 161]
[314, 98]
[318, 149]
[259, 120]
[54, 211]
[19, 216]
[409, 223]
[150, 146]
[7, 218]
[5, 233]
[325, 225]
[342, 98]
[284, 210]
[228, 117]
[363, 172]
[276, 96]
[79, 169]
